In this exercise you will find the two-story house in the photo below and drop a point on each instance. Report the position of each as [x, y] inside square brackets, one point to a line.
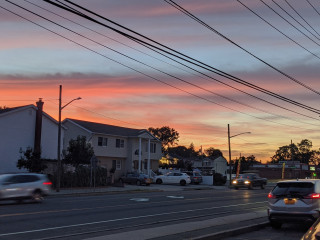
[217, 165]
[119, 148]
[26, 127]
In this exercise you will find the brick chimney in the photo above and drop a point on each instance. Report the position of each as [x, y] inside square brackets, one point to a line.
[37, 135]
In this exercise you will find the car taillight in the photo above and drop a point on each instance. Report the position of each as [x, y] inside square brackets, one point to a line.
[47, 183]
[313, 196]
[270, 195]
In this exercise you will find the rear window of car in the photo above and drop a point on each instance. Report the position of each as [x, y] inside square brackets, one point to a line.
[197, 174]
[291, 188]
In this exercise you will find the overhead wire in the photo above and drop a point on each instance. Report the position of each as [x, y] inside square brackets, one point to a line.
[291, 6]
[178, 7]
[273, 10]
[294, 19]
[200, 97]
[222, 96]
[194, 61]
[278, 30]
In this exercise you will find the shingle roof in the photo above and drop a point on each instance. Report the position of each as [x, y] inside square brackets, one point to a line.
[108, 129]
[10, 109]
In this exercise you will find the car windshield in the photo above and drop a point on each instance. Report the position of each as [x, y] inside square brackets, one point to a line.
[293, 188]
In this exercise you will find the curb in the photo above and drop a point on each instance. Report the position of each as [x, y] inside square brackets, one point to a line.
[232, 232]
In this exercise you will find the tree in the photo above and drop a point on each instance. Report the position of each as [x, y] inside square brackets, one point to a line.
[213, 153]
[301, 152]
[79, 151]
[31, 161]
[168, 136]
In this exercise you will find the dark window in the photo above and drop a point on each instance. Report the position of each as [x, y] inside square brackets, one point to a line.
[119, 143]
[100, 139]
[293, 188]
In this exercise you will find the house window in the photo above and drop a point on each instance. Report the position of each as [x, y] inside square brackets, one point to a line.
[153, 148]
[119, 143]
[102, 141]
[116, 164]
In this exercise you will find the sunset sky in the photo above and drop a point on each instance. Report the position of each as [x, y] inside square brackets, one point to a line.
[154, 91]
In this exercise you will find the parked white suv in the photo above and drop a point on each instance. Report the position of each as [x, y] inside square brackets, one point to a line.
[173, 177]
[21, 186]
[294, 201]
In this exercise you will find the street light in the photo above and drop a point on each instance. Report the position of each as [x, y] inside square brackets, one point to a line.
[59, 137]
[230, 149]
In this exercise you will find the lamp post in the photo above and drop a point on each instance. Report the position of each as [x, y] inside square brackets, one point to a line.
[230, 149]
[59, 136]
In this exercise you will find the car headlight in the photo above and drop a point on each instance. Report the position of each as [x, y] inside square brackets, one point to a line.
[234, 181]
[246, 182]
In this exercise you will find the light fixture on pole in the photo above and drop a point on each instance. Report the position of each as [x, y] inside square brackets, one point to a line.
[59, 138]
[230, 149]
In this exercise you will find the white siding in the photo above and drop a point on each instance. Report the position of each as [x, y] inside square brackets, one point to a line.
[17, 130]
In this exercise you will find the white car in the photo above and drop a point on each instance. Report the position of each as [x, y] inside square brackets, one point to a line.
[173, 178]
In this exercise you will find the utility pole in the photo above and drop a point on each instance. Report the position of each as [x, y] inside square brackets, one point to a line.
[59, 143]
[229, 154]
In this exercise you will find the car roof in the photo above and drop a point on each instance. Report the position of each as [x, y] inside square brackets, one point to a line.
[300, 180]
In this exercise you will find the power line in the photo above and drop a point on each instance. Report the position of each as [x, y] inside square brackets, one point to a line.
[203, 98]
[194, 61]
[177, 6]
[194, 85]
[278, 30]
[272, 9]
[290, 5]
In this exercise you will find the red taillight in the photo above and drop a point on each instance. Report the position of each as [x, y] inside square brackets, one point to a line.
[313, 196]
[47, 183]
[270, 195]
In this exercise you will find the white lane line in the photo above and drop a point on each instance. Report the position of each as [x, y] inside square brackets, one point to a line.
[140, 199]
[128, 218]
[179, 197]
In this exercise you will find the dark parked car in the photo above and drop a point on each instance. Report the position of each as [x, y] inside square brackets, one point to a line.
[294, 201]
[136, 178]
[249, 180]
[195, 177]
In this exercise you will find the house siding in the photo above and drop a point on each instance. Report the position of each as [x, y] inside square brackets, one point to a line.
[17, 131]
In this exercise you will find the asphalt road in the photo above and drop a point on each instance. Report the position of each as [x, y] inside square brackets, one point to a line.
[71, 217]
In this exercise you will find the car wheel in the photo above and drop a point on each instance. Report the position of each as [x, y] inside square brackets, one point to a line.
[275, 225]
[262, 186]
[159, 181]
[250, 186]
[183, 182]
[147, 184]
[138, 182]
[236, 188]
[121, 181]
[37, 196]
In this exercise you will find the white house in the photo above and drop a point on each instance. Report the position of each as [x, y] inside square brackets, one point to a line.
[117, 147]
[26, 127]
[218, 165]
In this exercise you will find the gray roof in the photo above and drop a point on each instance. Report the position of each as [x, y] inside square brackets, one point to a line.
[108, 129]
[10, 109]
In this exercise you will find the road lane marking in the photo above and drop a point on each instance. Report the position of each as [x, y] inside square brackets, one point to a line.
[140, 199]
[127, 218]
[179, 197]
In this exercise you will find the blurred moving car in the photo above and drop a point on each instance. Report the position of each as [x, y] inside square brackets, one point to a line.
[173, 178]
[21, 186]
[136, 178]
[294, 201]
[249, 180]
[313, 232]
[195, 177]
